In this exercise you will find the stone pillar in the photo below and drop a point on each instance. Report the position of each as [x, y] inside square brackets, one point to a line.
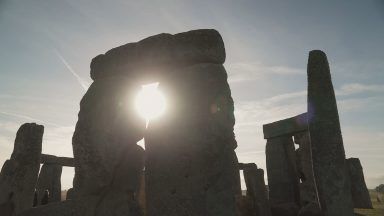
[309, 199]
[283, 181]
[107, 127]
[359, 190]
[256, 190]
[308, 190]
[49, 179]
[191, 166]
[108, 162]
[327, 144]
[19, 174]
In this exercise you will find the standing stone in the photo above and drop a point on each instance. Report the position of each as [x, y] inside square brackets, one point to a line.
[108, 125]
[105, 150]
[49, 179]
[283, 181]
[19, 174]
[328, 154]
[120, 197]
[359, 190]
[191, 166]
[70, 194]
[308, 191]
[256, 190]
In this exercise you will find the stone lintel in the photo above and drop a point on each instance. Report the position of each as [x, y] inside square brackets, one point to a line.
[51, 159]
[287, 126]
[243, 166]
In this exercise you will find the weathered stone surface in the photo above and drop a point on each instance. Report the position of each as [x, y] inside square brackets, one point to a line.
[285, 209]
[308, 190]
[380, 188]
[191, 166]
[245, 206]
[286, 127]
[51, 159]
[310, 209]
[7, 208]
[19, 174]
[49, 179]
[359, 190]
[328, 154]
[108, 124]
[119, 197]
[160, 53]
[65, 208]
[283, 181]
[70, 194]
[256, 190]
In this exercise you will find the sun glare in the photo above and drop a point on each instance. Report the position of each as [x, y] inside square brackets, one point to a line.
[150, 102]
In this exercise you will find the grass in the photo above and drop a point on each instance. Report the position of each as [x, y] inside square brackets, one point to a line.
[378, 208]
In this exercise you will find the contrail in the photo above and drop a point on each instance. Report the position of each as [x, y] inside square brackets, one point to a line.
[82, 82]
[29, 118]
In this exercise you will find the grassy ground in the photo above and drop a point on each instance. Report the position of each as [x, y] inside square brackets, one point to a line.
[378, 207]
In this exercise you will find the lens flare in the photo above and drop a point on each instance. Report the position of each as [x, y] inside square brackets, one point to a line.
[150, 102]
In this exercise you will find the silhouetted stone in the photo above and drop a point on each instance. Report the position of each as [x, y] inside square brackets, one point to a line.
[8, 207]
[359, 190]
[159, 54]
[308, 190]
[107, 125]
[45, 198]
[65, 208]
[380, 188]
[285, 209]
[256, 190]
[50, 179]
[121, 195]
[35, 200]
[310, 209]
[70, 194]
[191, 166]
[328, 154]
[286, 127]
[51, 159]
[245, 206]
[19, 174]
[283, 181]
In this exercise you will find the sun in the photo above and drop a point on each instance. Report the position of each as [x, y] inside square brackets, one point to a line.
[150, 102]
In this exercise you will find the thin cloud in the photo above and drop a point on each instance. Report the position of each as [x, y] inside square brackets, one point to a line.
[80, 80]
[245, 71]
[17, 115]
[356, 88]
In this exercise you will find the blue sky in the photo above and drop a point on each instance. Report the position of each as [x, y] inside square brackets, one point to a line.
[46, 48]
